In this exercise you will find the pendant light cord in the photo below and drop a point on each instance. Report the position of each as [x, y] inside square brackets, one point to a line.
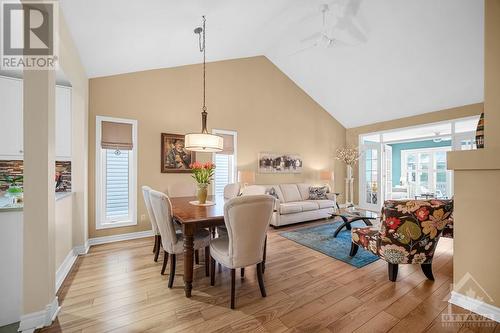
[202, 45]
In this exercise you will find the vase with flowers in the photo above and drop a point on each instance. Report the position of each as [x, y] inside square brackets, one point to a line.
[203, 174]
[350, 156]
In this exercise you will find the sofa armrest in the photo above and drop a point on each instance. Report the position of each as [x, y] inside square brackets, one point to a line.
[332, 196]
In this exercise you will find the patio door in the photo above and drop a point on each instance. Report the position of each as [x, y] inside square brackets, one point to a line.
[370, 171]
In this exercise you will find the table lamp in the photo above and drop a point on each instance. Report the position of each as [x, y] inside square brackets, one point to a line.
[246, 177]
[328, 177]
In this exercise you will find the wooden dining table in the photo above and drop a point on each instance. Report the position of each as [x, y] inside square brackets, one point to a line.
[193, 218]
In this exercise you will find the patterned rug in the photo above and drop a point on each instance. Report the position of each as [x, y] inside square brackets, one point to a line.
[320, 238]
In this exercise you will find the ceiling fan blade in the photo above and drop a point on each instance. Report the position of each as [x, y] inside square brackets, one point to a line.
[314, 36]
[353, 7]
[303, 49]
[352, 29]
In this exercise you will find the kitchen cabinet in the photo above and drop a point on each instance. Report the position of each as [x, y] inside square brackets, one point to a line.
[11, 120]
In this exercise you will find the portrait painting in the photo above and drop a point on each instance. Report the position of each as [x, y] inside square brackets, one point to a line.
[174, 156]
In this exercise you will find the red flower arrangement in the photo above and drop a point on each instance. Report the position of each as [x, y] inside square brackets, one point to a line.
[202, 172]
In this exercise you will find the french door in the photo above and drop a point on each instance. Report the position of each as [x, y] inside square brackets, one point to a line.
[370, 167]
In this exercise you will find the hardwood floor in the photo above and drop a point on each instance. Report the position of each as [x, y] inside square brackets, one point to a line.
[117, 287]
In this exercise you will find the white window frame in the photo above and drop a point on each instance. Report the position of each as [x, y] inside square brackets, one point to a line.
[100, 220]
[234, 171]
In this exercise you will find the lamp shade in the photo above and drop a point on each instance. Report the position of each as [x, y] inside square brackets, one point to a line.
[203, 142]
[326, 175]
[246, 176]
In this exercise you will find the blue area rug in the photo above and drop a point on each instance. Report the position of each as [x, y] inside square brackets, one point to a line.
[320, 238]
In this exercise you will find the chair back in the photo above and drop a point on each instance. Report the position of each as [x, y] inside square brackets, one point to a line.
[253, 190]
[181, 189]
[410, 229]
[231, 191]
[162, 210]
[247, 219]
[147, 201]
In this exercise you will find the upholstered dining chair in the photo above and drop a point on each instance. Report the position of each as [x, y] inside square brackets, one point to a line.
[408, 234]
[172, 241]
[247, 219]
[231, 190]
[181, 189]
[253, 190]
[152, 219]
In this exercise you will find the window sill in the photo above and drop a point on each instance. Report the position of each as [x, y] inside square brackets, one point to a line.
[115, 225]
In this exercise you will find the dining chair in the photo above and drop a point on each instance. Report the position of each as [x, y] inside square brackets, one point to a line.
[231, 190]
[408, 233]
[247, 219]
[152, 219]
[172, 241]
[253, 190]
[181, 189]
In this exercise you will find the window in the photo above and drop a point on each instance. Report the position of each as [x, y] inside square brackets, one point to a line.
[116, 172]
[225, 162]
[424, 170]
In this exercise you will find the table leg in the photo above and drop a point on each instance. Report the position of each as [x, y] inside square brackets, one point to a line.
[188, 259]
[344, 224]
[368, 222]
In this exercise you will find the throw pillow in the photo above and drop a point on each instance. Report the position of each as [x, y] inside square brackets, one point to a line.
[318, 192]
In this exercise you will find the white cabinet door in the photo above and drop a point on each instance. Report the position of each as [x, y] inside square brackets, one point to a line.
[63, 123]
[11, 118]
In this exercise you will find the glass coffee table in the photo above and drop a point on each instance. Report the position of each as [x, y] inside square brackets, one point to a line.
[351, 215]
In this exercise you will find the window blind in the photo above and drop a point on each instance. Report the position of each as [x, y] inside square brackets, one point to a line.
[117, 184]
[222, 172]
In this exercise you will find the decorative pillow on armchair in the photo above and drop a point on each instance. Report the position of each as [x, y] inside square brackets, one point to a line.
[318, 192]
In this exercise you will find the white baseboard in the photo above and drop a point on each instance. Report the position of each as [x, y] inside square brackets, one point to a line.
[121, 237]
[32, 321]
[82, 249]
[65, 267]
[474, 305]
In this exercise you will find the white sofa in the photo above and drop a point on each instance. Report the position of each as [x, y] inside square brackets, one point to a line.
[293, 204]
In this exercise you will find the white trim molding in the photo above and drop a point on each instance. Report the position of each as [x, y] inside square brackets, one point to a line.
[65, 267]
[120, 237]
[482, 308]
[32, 321]
[81, 249]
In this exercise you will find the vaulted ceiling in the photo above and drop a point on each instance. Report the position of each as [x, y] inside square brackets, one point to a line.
[408, 56]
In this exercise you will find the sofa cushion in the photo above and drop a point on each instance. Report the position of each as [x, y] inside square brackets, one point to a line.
[304, 190]
[323, 203]
[290, 207]
[309, 205]
[290, 192]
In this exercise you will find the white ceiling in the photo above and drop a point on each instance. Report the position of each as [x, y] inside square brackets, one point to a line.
[419, 55]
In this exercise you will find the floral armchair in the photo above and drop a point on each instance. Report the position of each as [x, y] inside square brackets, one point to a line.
[408, 234]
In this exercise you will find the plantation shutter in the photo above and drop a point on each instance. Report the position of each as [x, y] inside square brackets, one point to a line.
[117, 184]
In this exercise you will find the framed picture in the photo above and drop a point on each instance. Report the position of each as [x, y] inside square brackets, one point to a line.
[174, 157]
[279, 163]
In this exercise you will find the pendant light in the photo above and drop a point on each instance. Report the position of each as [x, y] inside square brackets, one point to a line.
[204, 141]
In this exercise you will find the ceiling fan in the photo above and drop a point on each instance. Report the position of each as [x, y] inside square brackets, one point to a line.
[344, 30]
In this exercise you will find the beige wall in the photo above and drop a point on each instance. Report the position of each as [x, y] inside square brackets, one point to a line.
[426, 118]
[477, 180]
[250, 95]
[63, 229]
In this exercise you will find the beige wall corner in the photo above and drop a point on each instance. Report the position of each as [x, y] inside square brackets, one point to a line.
[352, 134]
[477, 180]
[250, 95]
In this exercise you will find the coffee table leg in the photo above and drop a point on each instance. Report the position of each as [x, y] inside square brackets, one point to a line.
[188, 259]
[344, 224]
[368, 222]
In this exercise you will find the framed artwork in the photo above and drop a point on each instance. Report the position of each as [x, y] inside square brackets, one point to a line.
[174, 157]
[279, 163]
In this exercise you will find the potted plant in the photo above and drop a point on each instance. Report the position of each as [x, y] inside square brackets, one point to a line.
[350, 156]
[14, 184]
[202, 173]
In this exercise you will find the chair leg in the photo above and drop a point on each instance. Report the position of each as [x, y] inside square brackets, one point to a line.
[427, 269]
[354, 249]
[261, 280]
[264, 256]
[165, 261]
[242, 272]
[157, 248]
[196, 257]
[393, 272]
[172, 271]
[233, 278]
[156, 243]
[212, 271]
[207, 261]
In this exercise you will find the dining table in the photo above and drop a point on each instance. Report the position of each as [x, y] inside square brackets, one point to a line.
[192, 218]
